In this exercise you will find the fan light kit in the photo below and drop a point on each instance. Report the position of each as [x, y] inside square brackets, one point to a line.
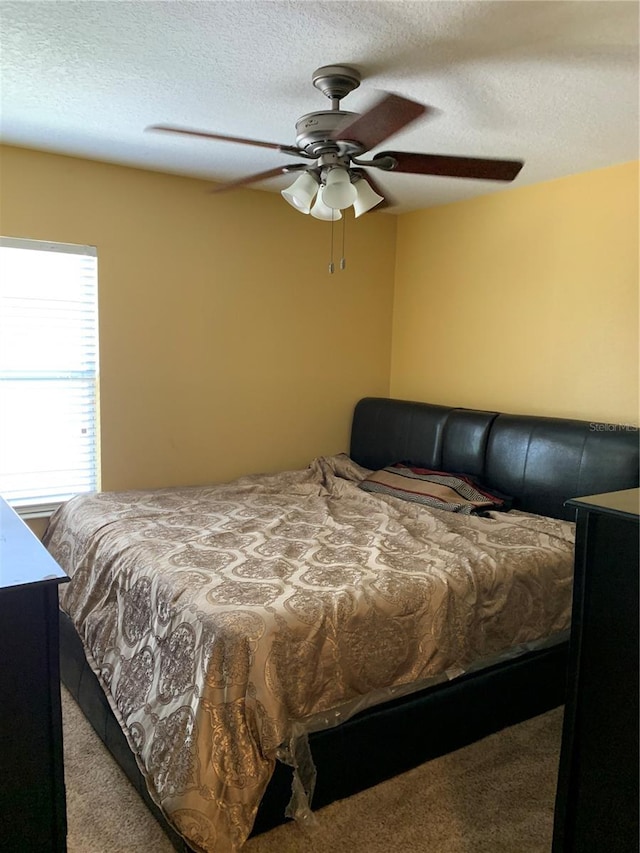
[332, 141]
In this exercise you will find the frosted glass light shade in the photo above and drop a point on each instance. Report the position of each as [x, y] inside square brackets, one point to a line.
[321, 211]
[301, 192]
[339, 192]
[367, 197]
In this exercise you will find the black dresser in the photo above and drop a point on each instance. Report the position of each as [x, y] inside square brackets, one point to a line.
[32, 794]
[597, 796]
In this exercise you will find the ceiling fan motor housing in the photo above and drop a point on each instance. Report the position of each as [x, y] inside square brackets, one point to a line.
[314, 132]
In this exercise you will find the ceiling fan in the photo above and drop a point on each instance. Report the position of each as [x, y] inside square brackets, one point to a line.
[332, 142]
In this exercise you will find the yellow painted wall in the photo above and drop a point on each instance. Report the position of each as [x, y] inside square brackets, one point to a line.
[225, 345]
[523, 301]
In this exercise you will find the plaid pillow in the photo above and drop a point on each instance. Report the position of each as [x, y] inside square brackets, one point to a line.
[439, 489]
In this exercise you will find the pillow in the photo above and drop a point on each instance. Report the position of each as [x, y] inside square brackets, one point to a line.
[439, 489]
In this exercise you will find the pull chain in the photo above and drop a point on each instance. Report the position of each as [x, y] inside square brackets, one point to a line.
[343, 260]
[331, 266]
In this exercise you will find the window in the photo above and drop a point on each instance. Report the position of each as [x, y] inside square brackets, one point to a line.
[48, 373]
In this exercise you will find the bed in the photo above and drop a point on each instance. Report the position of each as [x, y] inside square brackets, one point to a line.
[249, 650]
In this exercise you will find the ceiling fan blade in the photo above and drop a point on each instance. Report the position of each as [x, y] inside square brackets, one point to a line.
[452, 167]
[388, 116]
[205, 134]
[259, 176]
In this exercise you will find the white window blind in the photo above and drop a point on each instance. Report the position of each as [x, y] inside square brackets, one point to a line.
[48, 373]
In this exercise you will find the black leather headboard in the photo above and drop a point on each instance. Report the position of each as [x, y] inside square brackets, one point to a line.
[540, 462]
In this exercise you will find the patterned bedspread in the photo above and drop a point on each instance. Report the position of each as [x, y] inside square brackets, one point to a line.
[217, 617]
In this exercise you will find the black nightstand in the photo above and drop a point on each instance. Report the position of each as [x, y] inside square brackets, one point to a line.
[597, 796]
[32, 795]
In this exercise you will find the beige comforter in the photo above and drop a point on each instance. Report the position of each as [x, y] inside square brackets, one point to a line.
[215, 617]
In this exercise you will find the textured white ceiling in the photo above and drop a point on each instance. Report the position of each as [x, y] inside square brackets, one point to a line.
[552, 83]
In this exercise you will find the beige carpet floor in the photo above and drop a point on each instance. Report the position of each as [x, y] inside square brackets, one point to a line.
[495, 796]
